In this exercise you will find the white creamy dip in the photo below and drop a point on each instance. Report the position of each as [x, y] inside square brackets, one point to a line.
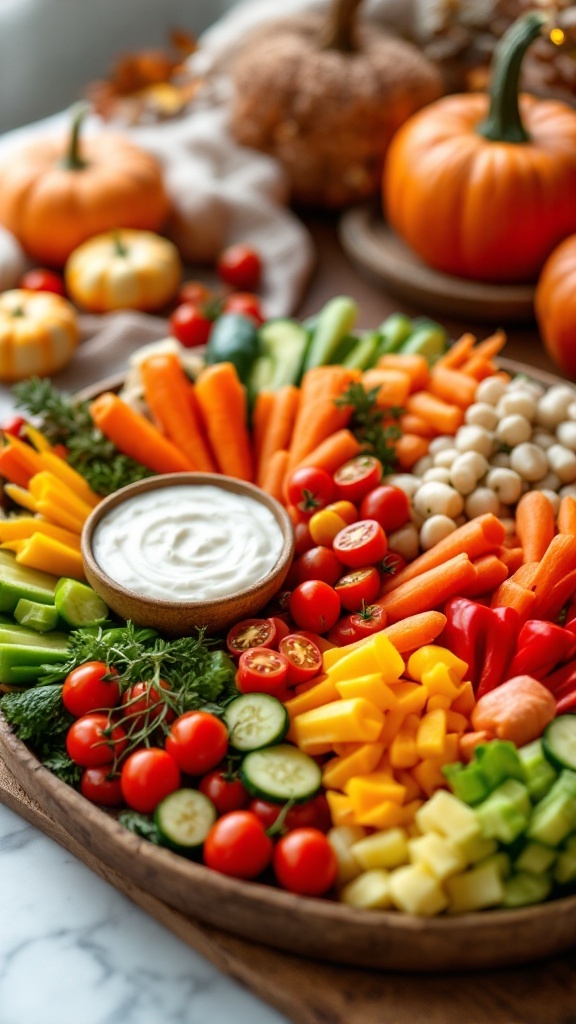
[187, 543]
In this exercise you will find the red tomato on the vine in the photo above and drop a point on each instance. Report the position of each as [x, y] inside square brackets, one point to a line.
[388, 505]
[42, 280]
[142, 705]
[314, 605]
[360, 544]
[148, 775]
[85, 689]
[313, 813]
[305, 863]
[92, 740]
[100, 786]
[310, 489]
[245, 304]
[371, 619]
[197, 741]
[190, 325]
[14, 425]
[195, 292]
[237, 845]
[225, 791]
[240, 266]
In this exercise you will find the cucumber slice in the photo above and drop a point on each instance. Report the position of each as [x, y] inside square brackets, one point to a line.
[184, 819]
[559, 742]
[41, 617]
[78, 604]
[256, 720]
[281, 773]
[18, 581]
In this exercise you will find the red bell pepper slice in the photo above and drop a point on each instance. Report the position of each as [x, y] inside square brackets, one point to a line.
[485, 638]
[541, 647]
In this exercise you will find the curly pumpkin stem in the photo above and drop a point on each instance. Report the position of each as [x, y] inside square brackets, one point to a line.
[504, 123]
[340, 27]
[72, 161]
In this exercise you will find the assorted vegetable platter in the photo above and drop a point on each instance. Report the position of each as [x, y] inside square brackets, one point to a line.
[395, 731]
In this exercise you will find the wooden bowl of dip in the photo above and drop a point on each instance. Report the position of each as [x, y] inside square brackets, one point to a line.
[186, 550]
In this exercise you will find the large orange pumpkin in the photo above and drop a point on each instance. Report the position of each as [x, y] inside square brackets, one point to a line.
[484, 187]
[55, 194]
[555, 306]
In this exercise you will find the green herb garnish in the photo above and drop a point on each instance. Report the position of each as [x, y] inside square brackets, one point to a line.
[367, 423]
[141, 825]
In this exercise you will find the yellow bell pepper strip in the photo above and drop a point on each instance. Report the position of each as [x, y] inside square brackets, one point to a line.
[369, 791]
[429, 776]
[388, 814]
[427, 658]
[339, 770]
[464, 701]
[29, 458]
[439, 680]
[413, 789]
[376, 655]
[392, 722]
[431, 734]
[41, 443]
[21, 527]
[404, 749]
[439, 700]
[410, 697]
[46, 486]
[56, 513]
[20, 496]
[324, 692]
[74, 481]
[350, 720]
[372, 688]
[341, 810]
[49, 555]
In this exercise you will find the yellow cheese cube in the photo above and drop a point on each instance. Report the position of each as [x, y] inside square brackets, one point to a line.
[384, 815]
[411, 697]
[444, 813]
[342, 838]
[370, 890]
[377, 654]
[476, 848]
[404, 749]
[388, 849]
[363, 760]
[438, 854]
[429, 656]
[415, 890]
[322, 693]
[392, 722]
[353, 720]
[368, 791]
[431, 735]
[372, 688]
[439, 680]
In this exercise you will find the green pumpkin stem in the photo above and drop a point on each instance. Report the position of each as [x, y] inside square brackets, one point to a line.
[119, 246]
[72, 160]
[339, 33]
[504, 123]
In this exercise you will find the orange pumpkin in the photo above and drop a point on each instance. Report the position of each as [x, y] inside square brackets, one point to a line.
[482, 186]
[555, 306]
[55, 194]
[38, 334]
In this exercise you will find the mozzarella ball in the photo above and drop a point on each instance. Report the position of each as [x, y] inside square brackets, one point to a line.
[562, 461]
[506, 484]
[405, 541]
[472, 438]
[571, 411]
[406, 482]
[437, 499]
[434, 530]
[529, 461]
[566, 434]
[543, 438]
[550, 482]
[481, 501]
[446, 457]
[490, 390]
[467, 470]
[438, 473]
[517, 403]
[554, 404]
[527, 386]
[513, 430]
[420, 467]
[480, 414]
[440, 443]
[569, 490]
[501, 459]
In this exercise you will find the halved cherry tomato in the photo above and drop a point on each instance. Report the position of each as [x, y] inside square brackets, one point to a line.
[318, 563]
[357, 477]
[358, 586]
[148, 775]
[314, 605]
[13, 425]
[251, 633]
[371, 619]
[189, 325]
[197, 741]
[86, 689]
[343, 632]
[282, 627]
[245, 304]
[261, 670]
[303, 657]
[313, 813]
[302, 538]
[225, 791]
[310, 489]
[41, 280]
[324, 525]
[240, 266]
[388, 505]
[321, 642]
[99, 785]
[362, 543]
[237, 845]
[93, 740]
[345, 509]
[305, 863]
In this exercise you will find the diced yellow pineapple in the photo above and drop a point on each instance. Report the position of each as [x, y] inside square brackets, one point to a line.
[370, 890]
[386, 849]
[476, 889]
[476, 848]
[342, 839]
[415, 890]
[437, 853]
[445, 814]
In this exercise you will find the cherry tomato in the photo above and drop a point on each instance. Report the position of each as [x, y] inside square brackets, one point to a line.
[85, 689]
[225, 791]
[302, 538]
[324, 525]
[357, 477]
[362, 543]
[318, 563]
[314, 605]
[321, 642]
[195, 292]
[311, 814]
[41, 280]
[305, 863]
[197, 741]
[371, 619]
[143, 705]
[310, 489]
[245, 304]
[93, 740]
[388, 505]
[237, 845]
[358, 586]
[345, 509]
[99, 785]
[189, 325]
[240, 266]
[343, 633]
[282, 627]
[303, 657]
[14, 425]
[261, 670]
[251, 633]
[148, 775]
[392, 564]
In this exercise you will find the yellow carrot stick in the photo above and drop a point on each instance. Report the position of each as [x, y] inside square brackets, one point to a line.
[21, 496]
[49, 555]
[48, 487]
[22, 527]
[56, 513]
[73, 480]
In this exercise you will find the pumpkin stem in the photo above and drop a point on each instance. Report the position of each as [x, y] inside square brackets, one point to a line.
[72, 161]
[339, 33]
[504, 123]
[119, 247]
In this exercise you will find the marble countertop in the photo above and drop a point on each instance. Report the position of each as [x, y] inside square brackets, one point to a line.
[73, 949]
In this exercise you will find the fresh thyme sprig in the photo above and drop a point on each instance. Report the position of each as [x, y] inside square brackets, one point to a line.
[369, 423]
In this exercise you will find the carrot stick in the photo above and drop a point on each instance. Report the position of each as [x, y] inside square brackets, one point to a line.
[12, 468]
[550, 603]
[567, 515]
[452, 386]
[409, 448]
[28, 456]
[275, 474]
[444, 416]
[477, 367]
[535, 525]
[512, 595]
[430, 589]
[260, 416]
[393, 385]
[333, 452]
[491, 346]
[318, 414]
[558, 560]
[279, 428]
[491, 573]
[415, 631]
[135, 436]
[414, 365]
[525, 575]
[512, 558]
[222, 401]
[458, 352]
[481, 536]
[411, 424]
[167, 394]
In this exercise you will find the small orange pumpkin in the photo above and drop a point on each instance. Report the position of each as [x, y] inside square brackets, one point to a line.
[126, 269]
[55, 194]
[555, 306]
[38, 334]
[483, 186]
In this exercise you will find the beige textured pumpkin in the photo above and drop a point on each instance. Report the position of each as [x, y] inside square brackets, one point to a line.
[324, 96]
[38, 334]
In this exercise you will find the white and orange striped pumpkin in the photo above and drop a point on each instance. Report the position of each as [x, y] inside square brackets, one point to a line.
[38, 334]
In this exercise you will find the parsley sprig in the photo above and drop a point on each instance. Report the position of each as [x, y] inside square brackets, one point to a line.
[370, 423]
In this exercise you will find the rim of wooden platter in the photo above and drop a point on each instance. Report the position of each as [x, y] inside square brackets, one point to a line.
[321, 929]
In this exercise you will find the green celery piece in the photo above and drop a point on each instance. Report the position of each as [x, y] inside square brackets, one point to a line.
[335, 320]
[40, 617]
[343, 349]
[539, 774]
[428, 340]
[535, 858]
[393, 332]
[468, 783]
[363, 354]
[22, 636]
[553, 819]
[499, 761]
[565, 871]
[524, 889]
[14, 655]
[283, 345]
[505, 814]
[18, 581]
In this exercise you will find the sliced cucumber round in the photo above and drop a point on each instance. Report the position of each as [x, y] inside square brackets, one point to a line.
[256, 720]
[184, 819]
[559, 742]
[281, 773]
[78, 604]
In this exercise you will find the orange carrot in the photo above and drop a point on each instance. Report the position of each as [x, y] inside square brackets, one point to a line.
[519, 710]
[411, 424]
[481, 536]
[452, 386]
[525, 575]
[222, 400]
[567, 515]
[549, 603]
[478, 368]
[333, 452]
[409, 448]
[491, 573]
[414, 365]
[470, 740]
[167, 394]
[558, 560]
[415, 631]
[12, 468]
[135, 436]
[318, 414]
[444, 416]
[512, 595]
[430, 589]
[491, 346]
[535, 524]
[27, 456]
[274, 475]
[279, 427]
[260, 416]
[512, 558]
[393, 385]
[458, 352]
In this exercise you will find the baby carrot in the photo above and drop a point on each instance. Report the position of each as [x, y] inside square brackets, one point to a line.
[274, 475]
[535, 525]
[512, 558]
[558, 560]
[430, 589]
[167, 394]
[458, 352]
[513, 595]
[411, 424]
[444, 416]
[222, 401]
[135, 436]
[393, 385]
[319, 415]
[13, 469]
[549, 603]
[333, 452]
[414, 365]
[567, 515]
[491, 573]
[409, 448]
[452, 386]
[415, 631]
[519, 710]
[279, 427]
